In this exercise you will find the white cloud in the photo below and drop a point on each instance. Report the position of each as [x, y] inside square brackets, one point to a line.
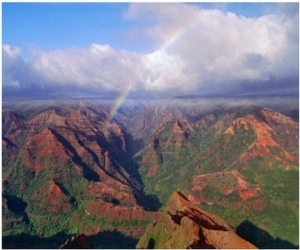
[196, 50]
[99, 66]
[163, 72]
[97, 69]
[11, 52]
[215, 44]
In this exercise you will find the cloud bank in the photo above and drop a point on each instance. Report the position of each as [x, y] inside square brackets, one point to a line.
[197, 51]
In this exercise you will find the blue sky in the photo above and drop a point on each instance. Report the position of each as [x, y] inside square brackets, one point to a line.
[149, 48]
[53, 26]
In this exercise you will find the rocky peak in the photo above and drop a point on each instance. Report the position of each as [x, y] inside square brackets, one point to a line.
[48, 117]
[185, 225]
[179, 205]
[10, 121]
[178, 136]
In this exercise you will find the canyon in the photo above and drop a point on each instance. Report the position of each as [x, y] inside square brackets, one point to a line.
[69, 168]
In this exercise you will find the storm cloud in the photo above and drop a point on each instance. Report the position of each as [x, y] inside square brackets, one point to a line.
[196, 51]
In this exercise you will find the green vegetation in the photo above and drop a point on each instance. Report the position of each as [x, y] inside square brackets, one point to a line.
[202, 153]
[30, 213]
[208, 150]
[21, 177]
[175, 154]
[280, 189]
[155, 235]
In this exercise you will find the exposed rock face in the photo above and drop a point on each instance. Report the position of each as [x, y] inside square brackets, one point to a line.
[224, 153]
[179, 135]
[10, 121]
[49, 139]
[74, 164]
[267, 136]
[153, 155]
[71, 162]
[185, 225]
[172, 137]
[232, 185]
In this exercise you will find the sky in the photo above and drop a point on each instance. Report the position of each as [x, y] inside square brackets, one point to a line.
[149, 49]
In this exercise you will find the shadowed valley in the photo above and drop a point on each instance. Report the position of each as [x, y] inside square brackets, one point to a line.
[66, 170]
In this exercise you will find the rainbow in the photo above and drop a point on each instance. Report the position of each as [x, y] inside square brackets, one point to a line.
[172, 38]
[118, 103]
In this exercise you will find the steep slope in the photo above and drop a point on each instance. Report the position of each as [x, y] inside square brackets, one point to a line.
[227, 188]
[152, 118]
[66, 169]
[72, 168]
[10, 121]
[185, 225]
[164, 159]
[240, 162]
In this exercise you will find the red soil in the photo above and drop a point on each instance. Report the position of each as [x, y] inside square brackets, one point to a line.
[152, 172]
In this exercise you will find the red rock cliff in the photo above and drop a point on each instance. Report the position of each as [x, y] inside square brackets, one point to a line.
[185, 225]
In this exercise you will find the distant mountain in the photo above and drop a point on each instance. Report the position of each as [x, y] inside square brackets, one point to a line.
[69, 167]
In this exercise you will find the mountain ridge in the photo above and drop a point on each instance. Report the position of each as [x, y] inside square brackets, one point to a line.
[185, 225]
[238, 161]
